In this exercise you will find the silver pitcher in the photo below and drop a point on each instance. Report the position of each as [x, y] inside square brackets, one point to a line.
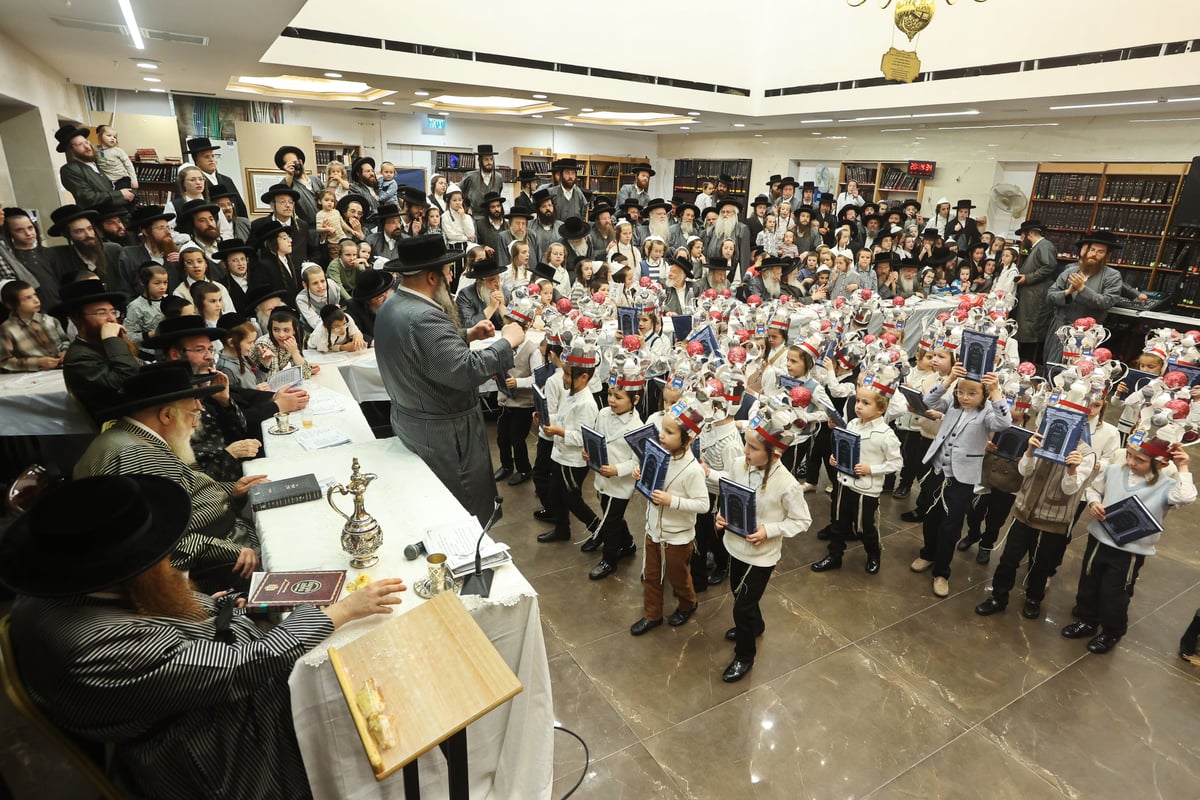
[361, 535]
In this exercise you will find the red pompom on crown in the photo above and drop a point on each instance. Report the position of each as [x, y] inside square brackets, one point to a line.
[801, 397]
[563, 305]
[737, 355]
[631, 343]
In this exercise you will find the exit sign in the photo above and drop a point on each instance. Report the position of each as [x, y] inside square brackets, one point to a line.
[921, 169]
[435, 125]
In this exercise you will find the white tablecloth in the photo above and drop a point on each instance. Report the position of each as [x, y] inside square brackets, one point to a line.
[359, 370]
[511, 750]
[328, 393]
[37, 404]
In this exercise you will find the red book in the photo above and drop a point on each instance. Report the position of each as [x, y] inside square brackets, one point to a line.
[283, 590]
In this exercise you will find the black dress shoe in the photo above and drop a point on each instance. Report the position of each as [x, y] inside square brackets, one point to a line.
[1032, 609]
[990, 606]
[902, 491]
[1078, 630]
[544, 515]
[602, 570]
[731, 635]
[553, 536]
[983, 556]
[718, 576]
[626, 552]
[591, 544]
[1103, 643]
[501, 473]
[736, 671]
[700, 584]
[643, 625]
[827, 563]
[679, 617]
[519, 477]
[872, 565]
[966, 543]
[912, 516]
[825, 534]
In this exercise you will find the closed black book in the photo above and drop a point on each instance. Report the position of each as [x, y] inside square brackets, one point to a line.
[285, 492]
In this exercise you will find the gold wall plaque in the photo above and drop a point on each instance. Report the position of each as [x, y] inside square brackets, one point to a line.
[900, 65]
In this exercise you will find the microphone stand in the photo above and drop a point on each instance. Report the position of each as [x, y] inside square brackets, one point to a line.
[480, 581]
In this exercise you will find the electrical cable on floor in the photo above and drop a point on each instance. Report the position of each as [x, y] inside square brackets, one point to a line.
[587, 759]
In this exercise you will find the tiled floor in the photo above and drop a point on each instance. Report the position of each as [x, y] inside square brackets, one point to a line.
[864, 686]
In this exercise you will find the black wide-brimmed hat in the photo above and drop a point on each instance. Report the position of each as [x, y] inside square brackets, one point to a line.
[172, 330]
[231, 246]
[109, 209]
[358, 162]
[1031, 225]
[643, 167]
[564, 163]
[541, 196]
[542, 271]
[684, 264]
[574, 228]
[602, 207]
[826, 197]
[727, 201]
[911, 202]
[217, 191]
[884, 258]
[65, 215]
[657, 202]
[799, 209]
[483, 150]
[963, 204]
[160, 384]
[520, 211]
[761, 200]
[288, 148]
[526, 175]
[788, 181]
[372, 283]
[684, 206]
[485, 268]
[113, 526]
[808, 185]
[422, 253]
[66, 132]
[1105, 238]
[343, 205]
[492, 197]
[202, 143]
[385, 211]
[719, 262]
[630, 202]
[774, 179]
[908, 262]
[940, 257]
[190, 209]
[277, 189]
[258, 294]
[79, 294]
[145, 216]
[725, 179]
[415, 197]
[773, 261]
[272, 229]
[871, 218]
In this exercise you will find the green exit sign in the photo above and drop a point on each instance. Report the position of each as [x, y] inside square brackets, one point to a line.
[435, 125]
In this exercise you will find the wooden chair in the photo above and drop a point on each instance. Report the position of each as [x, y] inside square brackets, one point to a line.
[15, 691]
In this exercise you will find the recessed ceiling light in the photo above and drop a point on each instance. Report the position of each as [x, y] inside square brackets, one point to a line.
[894, 130]
[333, 74]
[1009, 125]
[587, 110]
[305, 87]
[287, 101]
[421, 93]
[993, 145]
[758, 135]
[739, 124]
[388, 103]
[535, 116]
[693, 113]
[145, 65]
[569, 124]
[816, 133]
[1105, 105]
[443, 113]
[638, 118]
[1183, 99]
[538, 96]
[811, 121]
[1168, 119]
[152, 80]
[159, 91]
[684, 128]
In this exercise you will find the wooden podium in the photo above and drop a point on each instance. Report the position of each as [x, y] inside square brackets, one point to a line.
[437, 673]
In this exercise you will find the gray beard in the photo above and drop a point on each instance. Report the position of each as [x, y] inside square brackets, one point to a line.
[442, 297]
[906, 286]
[580, 248]
[725, 227]
[660, 229]
[687, 228]
[771, 284]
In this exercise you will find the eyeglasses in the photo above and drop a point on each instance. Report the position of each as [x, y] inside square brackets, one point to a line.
[212, 351]
[107, 312]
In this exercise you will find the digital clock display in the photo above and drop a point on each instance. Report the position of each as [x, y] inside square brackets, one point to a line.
[921, 169]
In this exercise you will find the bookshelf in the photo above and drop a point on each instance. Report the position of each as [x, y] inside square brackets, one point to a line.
[157, 180]
[535, 158]
[881, 180]
[325, 152]
[691, 173]
[1133, 201]
[454, 164]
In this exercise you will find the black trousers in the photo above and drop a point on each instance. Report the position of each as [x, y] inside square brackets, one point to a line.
[708, 540]
[568, 499]
[795, 459]
[1046, 549]
[543, 473]
[614, 532]
[819, 451]
[853, 511]
[747, 584]
[912, 448]
[944, 521]
[512, 428]
[931, 484]
[1106, 586]
[987, 516]
[1030, 351]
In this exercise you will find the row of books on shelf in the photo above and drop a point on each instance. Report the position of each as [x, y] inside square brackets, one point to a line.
[610, 171]
[459, 161]
[1060, 216]
[709, 169]
[1189, 289]
[1141, 252]
[1064, 243]
[1183, 255]
[860, 173]
[1139, 190]
[160, 173]
[156, 197]
[899, 179]
[1067, 186]
[538, 165]
[325, 155]
[1138, 279]
[1145, 221]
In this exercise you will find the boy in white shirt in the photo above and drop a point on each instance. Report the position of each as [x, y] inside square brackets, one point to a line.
[575, 409]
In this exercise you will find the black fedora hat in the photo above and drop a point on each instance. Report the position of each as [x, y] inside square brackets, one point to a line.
[761, 200]
[940, 257]
[260, 294]
[908, 262]
[160, 384]
[727, 201]
[272, 229]
[963, 204]
[657, 202]
[574, 228]
[76, 295]
[343, 205]
[288, 148]
[422, 253]
[217, 191]
[825, 197]
[414, 197]
[564, 163]
[145, 216]
[542, 271]
[173, 329]
[231, 246]
[684, 264]
[1031, 225]
[911, 202]
[66, 132]
[113, 526]
[629, 202]
[63, 216]
[541, 196]
[1105, 238]
[492, 197]
[193, 207]
[109, 209]
[520, 211]
[884, 258]
[201, 144]
[484, 150]
[865, 218]
[719, 263]
[602, 207]
[773, 261]
[230, 320]
[802, 209]
[685, 206]
[774, 179]
[725, 179]
[643, 167]
[385, 211]
[931, 234]
[526, 175]
[788, 181]
[808, 185]
[484, 268]
[277, 189]
[358, 162]
[372, 283]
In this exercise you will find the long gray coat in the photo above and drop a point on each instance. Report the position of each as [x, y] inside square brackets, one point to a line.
[431, 376]
[1102, 290]
[1039, 268]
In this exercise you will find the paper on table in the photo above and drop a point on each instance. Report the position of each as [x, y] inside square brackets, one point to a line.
[457, 541]
[325, 403]
[285, 377]
[320, 438]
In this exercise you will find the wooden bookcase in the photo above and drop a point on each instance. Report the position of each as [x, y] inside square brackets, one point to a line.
[535, 158]
[454, 164]
[1136, 203]
[691, 173]
[325, 152]
[157, 181]
[881, 180]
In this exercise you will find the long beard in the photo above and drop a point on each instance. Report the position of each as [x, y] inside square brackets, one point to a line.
[89, 158]
[442, 297]
[179, 439]
[163, 591]
[372, 181]
[207, 237]
[580, 248]
[660, 228]
[687, 227]
[725, 227]
[547, 218]
[166, 245]
[771, 283]
[93, 252]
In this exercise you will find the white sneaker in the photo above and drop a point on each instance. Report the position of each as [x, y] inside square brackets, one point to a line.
[809, 487]
[941, 587]
[920, 565]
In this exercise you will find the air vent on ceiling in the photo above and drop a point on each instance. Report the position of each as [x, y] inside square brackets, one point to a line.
[438, 51]
[120, 30]
[1055, 62]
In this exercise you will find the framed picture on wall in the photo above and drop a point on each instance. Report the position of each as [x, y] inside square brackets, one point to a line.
[258, 181]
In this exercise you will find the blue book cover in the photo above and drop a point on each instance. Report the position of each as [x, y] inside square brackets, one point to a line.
[596, 446]
[737, 505]
[638, 437]
[683, 326]
[978, 352]
[542, 374]
[541, 406]
[627, 320]
[655, 460]
[1135, 380]
[1012, 443]
[1129, 520]
[847, 450]
[1061, 430]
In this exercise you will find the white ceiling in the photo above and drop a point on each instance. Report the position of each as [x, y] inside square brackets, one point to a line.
[774, 45]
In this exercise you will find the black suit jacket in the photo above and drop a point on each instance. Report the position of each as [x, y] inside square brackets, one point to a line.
[238, 204]
[130, 263]
[69, 262]
[269, 272]
[236, 294]
[304, 243]
[89, 188]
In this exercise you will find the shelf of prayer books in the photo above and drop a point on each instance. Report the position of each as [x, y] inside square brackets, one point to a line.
[690, 175]
[882, 180]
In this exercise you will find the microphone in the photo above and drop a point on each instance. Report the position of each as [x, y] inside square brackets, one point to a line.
[480, 581]
[414, 551]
